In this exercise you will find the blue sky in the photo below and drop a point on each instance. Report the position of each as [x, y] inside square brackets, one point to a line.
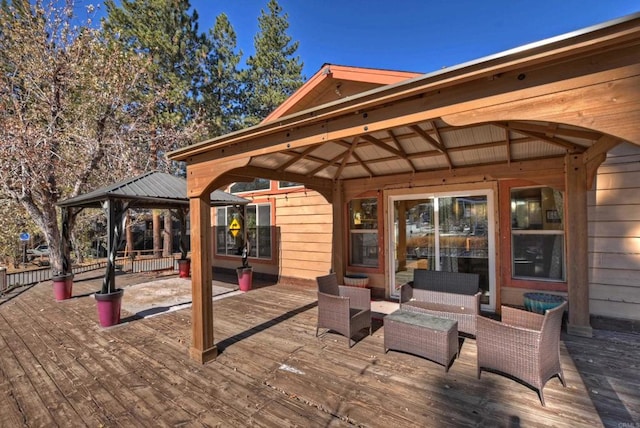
[412, 35]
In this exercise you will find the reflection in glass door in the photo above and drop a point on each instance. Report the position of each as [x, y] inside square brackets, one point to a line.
[446, 233]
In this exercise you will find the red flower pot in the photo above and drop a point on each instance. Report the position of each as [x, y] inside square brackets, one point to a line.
[184, 268]
[245, 278]
[109, 307]
[62, 286]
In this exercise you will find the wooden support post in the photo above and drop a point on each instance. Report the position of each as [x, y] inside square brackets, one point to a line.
[337, 204]
[577, 246]
[202, 346]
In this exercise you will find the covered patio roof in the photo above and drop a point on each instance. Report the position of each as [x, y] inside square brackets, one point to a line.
[500, 110]
[547, 112]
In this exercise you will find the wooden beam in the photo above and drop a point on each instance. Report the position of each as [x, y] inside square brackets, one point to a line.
[338, 263]
[201, 175]
[259, 172]
[435, 143]
[548, 170]
[596, 154]
[567, 145]
[606, 107]
[203, 348]
[386, 147]
[577, 246]
[297, 157]
[606, 49]
[396, 141]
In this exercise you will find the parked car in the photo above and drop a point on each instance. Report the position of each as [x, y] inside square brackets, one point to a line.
[39, 251]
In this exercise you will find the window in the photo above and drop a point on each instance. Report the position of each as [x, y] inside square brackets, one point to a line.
[287, 184]
[257, 184]
[230, 229]
[363, 236]
[537, 234]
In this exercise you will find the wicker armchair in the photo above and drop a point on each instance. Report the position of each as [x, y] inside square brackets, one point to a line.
[341, 308]
[525, 345]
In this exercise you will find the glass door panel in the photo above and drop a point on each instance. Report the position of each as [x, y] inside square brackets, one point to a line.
[447, 233]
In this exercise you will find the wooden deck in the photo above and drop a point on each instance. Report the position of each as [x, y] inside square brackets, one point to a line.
[59, 368]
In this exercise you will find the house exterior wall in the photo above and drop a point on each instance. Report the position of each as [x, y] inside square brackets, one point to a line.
[305, 224]
[302, 225]
[614, 236]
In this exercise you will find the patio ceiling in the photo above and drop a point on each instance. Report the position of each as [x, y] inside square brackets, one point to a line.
[429, 145]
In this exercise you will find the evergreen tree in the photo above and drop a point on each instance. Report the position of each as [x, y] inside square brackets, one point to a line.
[221, 92]
[273, 73]
[167, 33]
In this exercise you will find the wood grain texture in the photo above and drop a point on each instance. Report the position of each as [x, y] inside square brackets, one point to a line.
[59, 368]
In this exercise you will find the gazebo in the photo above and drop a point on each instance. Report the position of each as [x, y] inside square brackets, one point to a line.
[151, 190]
[546, 113]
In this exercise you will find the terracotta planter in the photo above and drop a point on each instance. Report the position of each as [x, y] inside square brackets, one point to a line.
[109, 307]
[62, 286]
[184, 268]
[245, 278]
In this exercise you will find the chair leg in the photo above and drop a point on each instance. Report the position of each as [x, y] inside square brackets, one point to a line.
[479, 370]
[561, 376]
[541, 395]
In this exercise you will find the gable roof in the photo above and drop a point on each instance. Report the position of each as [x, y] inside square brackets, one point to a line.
[152, 189]
[334, 82]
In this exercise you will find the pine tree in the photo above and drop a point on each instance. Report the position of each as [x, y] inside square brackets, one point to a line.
[273, 73]
[166, 32]
[221, 92]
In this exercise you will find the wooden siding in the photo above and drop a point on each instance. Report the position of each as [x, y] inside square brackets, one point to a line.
[305, 224]
[614, 236]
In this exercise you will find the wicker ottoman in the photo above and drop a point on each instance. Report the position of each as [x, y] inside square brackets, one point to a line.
[421, 334]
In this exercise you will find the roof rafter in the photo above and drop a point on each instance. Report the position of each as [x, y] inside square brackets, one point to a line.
[396, 141]
[435, 143]
[515, 126]
[295, 159]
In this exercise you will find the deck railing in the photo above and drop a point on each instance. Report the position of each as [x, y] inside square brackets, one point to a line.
[9, 281]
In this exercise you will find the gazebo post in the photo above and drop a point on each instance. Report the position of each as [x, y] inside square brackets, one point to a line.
[66, 240]
[577, 246]
[203, 348]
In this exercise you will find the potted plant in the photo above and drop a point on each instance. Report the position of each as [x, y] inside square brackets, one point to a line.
[245, 272]
[62, 285]
[109, 298]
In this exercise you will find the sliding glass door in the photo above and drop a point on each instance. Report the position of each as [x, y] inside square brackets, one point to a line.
[443, 232]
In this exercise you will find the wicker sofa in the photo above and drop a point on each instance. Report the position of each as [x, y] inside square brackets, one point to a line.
[452, 295]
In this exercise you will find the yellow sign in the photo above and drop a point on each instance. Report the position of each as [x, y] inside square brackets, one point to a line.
[234, 227]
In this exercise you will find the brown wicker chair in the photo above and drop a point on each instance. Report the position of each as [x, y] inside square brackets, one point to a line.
[525, 345]
[341, 308]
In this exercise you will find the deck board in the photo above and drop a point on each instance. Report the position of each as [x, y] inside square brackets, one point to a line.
[59, 368]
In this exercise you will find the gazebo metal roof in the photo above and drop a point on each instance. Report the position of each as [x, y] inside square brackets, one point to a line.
[152, 189]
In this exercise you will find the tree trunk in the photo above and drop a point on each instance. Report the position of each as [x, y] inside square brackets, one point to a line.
[157, 234]
[167, 246]
[129, 251]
